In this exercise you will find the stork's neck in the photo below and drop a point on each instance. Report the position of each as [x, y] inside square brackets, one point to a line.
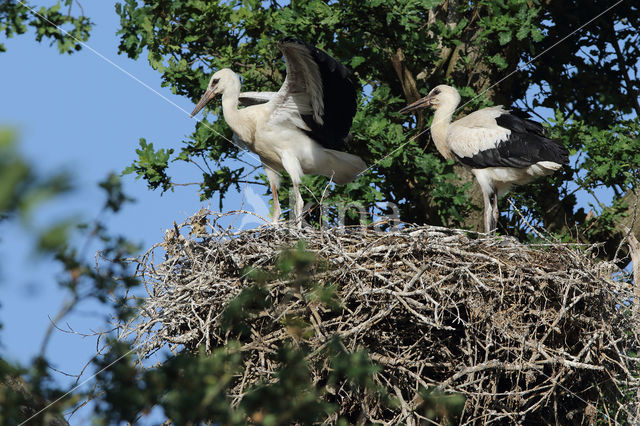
[230, 109]
[440, 128]
[234, 117]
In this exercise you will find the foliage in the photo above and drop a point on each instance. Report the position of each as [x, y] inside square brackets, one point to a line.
[151, 165]
[20, 398]
[25, 390]
[21, 189]
[15, 16]
[194, 388]
[437, 404]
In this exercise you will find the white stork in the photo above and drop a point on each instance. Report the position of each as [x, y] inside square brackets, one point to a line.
[303, 127]
[501, 148]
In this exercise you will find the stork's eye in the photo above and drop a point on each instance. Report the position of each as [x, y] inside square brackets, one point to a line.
[216, 80]
[436, 91]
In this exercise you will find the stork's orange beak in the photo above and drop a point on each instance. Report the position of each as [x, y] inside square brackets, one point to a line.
[419, 104]
[204, 100]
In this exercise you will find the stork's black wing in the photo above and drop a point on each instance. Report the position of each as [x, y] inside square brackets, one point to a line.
[513, 141]
[330, 88]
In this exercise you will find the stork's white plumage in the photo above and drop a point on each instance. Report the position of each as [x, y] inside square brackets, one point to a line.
[501, 148]
[303, 128]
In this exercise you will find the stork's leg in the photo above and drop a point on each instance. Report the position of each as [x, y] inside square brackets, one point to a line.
[276, 204]
[274, 181]
[496, 212]
[488, 212]
[298, 205]
[292, 166]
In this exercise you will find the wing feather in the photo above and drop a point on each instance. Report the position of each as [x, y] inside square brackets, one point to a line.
[477, 132]
[255, 98]
[318, 94]
[493, 137]
[302, 88]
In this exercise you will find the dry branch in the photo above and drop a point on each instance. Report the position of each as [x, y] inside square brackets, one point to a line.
[528, 334]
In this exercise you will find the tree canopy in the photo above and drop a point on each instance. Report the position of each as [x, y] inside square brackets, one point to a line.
[17, 16]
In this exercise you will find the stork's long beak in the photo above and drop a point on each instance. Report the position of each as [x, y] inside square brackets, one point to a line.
[419, 104]
[205, 99]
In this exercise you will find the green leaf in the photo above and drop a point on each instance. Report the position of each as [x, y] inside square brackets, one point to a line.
[504, 38]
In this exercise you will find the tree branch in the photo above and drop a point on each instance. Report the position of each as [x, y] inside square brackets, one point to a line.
[625, 74]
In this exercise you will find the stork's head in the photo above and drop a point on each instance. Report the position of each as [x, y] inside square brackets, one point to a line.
[221, 81]
[441, 95]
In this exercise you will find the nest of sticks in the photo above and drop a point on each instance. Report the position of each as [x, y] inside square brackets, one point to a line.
[528, 334]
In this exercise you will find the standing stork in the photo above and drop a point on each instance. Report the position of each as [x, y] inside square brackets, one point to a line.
[501, 148]
[303, 128]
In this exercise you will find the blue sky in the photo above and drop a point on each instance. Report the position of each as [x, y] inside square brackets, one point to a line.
[81, 114]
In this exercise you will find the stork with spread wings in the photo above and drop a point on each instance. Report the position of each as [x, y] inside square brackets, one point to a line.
[303, 128]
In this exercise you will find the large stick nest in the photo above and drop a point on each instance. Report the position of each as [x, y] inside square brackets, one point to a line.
[534, 334]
